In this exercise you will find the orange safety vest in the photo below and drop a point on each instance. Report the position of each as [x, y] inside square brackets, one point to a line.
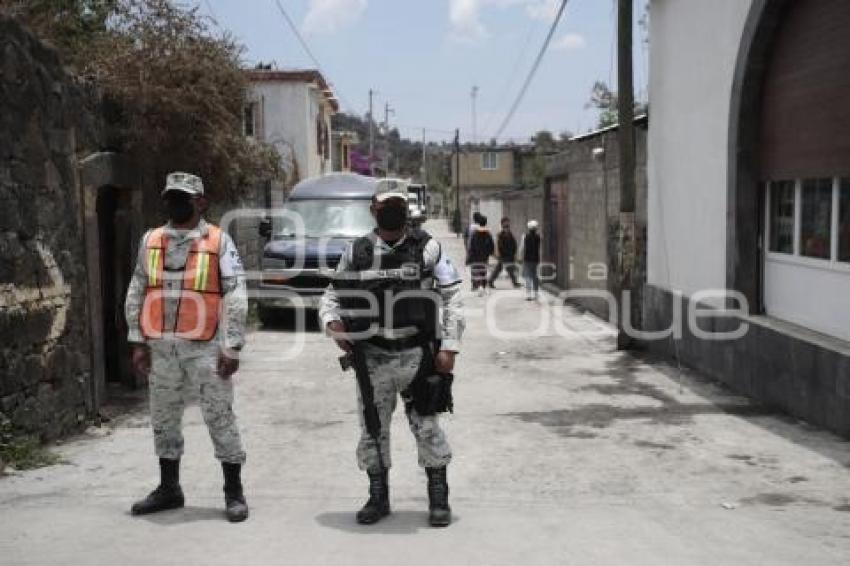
[200, 294]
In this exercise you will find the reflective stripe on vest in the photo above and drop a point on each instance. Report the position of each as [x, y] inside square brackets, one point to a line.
[199, 296]
[154, 271]
[202, 268]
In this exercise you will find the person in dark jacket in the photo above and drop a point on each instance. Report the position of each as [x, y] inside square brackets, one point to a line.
[529, 252]
[481, 247]
[470, 230]
[506, 248]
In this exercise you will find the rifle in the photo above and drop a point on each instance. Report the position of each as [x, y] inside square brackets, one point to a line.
[357, 360]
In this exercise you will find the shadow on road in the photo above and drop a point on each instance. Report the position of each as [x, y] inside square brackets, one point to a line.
[187, 514]
[291, 321]
[398, 523]
[629, 375]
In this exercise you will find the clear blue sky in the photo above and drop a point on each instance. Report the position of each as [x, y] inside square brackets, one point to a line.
[424, 56]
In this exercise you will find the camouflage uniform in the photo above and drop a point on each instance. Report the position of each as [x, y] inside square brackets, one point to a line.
[177, 364]
[392, 371]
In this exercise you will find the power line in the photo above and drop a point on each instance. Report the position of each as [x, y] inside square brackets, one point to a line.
[532, 26]
[533, 70]
[465, 133]
[307, 50]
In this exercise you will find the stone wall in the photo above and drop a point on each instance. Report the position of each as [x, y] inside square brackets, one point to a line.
[45, 120]
[245, 215]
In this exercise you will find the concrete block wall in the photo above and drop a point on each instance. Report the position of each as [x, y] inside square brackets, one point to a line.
[785, 368]
[243, 230]
[593, 209]
[522, 206]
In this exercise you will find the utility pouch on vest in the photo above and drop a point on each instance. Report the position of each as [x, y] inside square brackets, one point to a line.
[430, 393]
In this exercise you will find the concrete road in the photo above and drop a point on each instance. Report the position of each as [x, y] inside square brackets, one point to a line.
[566, 452]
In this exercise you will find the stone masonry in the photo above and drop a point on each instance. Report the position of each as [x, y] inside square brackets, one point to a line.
[44, 336]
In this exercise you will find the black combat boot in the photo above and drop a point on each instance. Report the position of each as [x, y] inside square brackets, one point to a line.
[235, 506]
[439, 512]
[167, 496]
[378, 505]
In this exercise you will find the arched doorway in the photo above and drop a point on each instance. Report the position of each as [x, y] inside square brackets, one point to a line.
[789, 177]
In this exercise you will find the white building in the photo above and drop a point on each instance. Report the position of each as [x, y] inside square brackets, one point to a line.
[749, 190]
[291, 110]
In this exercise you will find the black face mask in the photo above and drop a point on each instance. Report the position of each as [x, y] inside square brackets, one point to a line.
[179, 208]
[391, 217]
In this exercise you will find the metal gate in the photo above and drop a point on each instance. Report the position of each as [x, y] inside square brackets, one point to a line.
[557, 231]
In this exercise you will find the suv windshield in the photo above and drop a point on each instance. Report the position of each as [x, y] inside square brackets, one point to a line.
[326, 219]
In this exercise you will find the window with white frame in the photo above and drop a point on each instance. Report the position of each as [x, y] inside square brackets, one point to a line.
[816, 218]
[489, 161]
[249, 120]
[844, 220]
[809, 218]
[782, 217]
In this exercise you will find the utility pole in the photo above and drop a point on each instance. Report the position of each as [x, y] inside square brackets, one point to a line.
[457, 219]
[371, 130]
[474, 120]
[424, 177]
[424, 165]
[626, 115]
[387, 112]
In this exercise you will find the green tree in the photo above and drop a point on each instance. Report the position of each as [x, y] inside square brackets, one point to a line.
[69, 25]
[176, 87]
[544, 140]
[606, 102]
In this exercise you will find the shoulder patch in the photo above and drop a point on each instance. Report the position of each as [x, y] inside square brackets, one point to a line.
[445, 272]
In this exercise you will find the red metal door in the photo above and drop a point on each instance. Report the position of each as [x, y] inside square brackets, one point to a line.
[559, 231]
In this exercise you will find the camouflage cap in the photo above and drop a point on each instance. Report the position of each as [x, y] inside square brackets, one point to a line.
[185, 182]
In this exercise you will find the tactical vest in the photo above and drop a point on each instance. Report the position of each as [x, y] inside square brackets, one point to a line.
[200, 293]
[398, 278]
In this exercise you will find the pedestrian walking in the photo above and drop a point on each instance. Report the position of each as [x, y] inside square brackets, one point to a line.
[506, 248]
[481, 247]
[471, 229]
[529, 251]
[186, 308]
[407, 346]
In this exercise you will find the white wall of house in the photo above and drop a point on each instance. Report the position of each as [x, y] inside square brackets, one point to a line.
[289, 111]
[316, 164]
[786, 276]
[693, 51]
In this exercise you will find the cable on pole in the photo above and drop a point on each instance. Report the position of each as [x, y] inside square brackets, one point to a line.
[533, 70]
[307, 49]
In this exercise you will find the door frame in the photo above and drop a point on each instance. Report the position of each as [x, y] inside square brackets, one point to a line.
[744, 228]
[102, 171]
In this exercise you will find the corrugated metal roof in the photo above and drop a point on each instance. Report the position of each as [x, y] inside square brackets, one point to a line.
[643, 118]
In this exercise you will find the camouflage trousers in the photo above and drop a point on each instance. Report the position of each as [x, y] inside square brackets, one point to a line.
[178, 369]
[391, 373]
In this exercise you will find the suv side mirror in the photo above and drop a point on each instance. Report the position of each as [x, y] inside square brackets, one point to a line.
[265, 228]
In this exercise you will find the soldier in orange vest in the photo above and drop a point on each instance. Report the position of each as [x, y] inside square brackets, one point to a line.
[186, 308]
